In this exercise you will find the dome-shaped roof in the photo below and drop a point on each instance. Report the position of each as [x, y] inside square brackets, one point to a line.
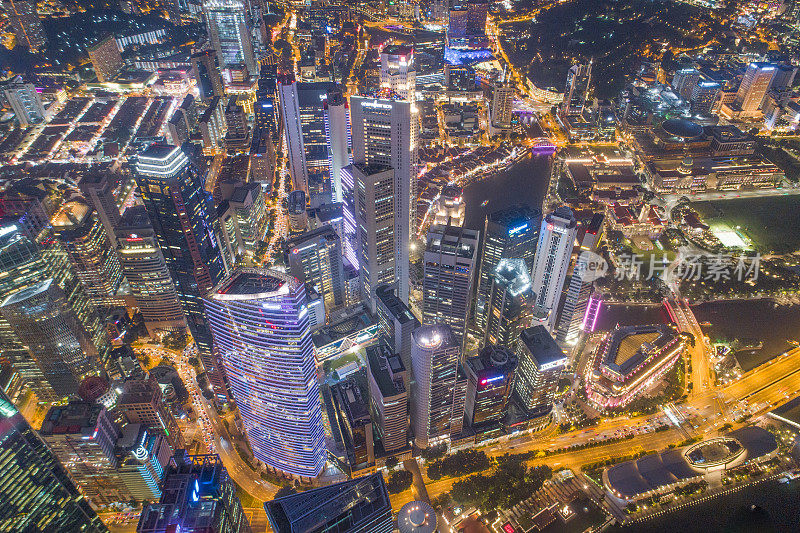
[91, 388]
[682, 128]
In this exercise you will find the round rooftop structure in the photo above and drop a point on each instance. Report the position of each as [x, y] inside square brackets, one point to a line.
[682, 128]
[92, 388]
[416, 517]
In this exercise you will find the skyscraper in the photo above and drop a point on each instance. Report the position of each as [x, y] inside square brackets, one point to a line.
[502, 110]
[205, 69]
[571, 317]
[229, 33]
[550, 266]
[579, 79]
[24, 100]
[288, 100]
[540, 364]
[25, 23]
[315, 257]
[704, 96]
[44, 322]
[146, 271]
[511, 234]
[754, 87]
[685, 80]
[396, 322]
[351, 506]
[435, 355]
[198, 496]
[98, 189]
[337, 130]
[449, 264]
[83, 437]
[90, 251]
[388, 381]
[397, 71]
[384, 133]
[141, 402]
[181, 212]
[375, 226]
[490, 376]
[38, 494]
[509, 307]
[261, 329]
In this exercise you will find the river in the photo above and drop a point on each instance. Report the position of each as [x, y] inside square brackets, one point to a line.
[524, 182]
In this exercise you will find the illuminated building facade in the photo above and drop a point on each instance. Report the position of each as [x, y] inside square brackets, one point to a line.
[205, 69]
[337, 131]
[384, 134]
[435, 354]
[388, 390]
[24, 100]
[197, 496]
[553, 252]
[450, 209]
[261, 329]
[146, 271]
[754, 87]
[38, 494]
[449, 262]
[511, 234]
[315, 257]
[629, 361]
[229, 33]
[106, 58]
[182, 214]
[490, 376]
[510, 303]
[396, 322]
[397, 70]
[541, 362]
[288, 99]
[579, 79]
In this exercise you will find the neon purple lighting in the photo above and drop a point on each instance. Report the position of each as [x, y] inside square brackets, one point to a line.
[592, 313]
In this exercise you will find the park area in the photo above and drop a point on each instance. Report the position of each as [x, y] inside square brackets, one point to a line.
[769, 224]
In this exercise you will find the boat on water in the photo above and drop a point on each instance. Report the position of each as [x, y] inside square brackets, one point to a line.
[483, 204]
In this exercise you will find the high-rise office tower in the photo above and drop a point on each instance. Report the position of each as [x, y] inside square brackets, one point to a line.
[553, 252]
[106, 58]
[25, 23]
[38, 494]
[296, 212]
[141, 402]
[704, 96]
[351, 506]
[384, 133]
[337, 130]
[375, 226]
[83, 437]
[315, 257]
[24, 100]
[502, 110]
[490, 376]
[396, 322]
[98, 189]
[312, 99]
[288, 100]
[182, 214]
[449, 263]
[754, 87]
[143, 458]
[197, 496]
[90, 251]
[146, 271]
[397, 71]
[540, 364]
[435, 354]
[229, 33]
[509, 307]
[261, 329]
[511, 234]
[205, 69]
[44, 322]
[579, 79]
[352, 416]
[571, 317]
[685, 80]
[243, 217]
[388, 390]
[477, 11]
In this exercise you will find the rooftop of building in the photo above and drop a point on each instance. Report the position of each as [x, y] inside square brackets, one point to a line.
[253, 284]
[382, 365]
[28, 292]
[513, 274]
[397, 49]
[541, 345]
[75, 418]
[398, 309]
[325, 232]
[352, 401]
[493, 358]
[455, 240]
[434, 336]
[337, 508]
[355, 320]
[628, 346]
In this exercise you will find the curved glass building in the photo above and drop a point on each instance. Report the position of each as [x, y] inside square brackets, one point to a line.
[259, 322]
